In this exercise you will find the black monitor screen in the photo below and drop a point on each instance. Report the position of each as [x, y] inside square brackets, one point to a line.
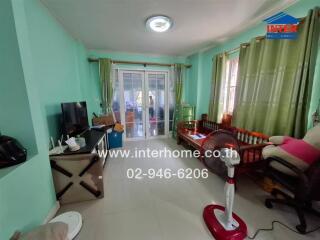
[75, 117]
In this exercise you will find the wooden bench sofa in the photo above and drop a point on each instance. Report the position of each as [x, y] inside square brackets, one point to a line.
[251, 143]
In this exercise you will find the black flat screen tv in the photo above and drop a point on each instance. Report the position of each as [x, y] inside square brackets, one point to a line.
[74, 118]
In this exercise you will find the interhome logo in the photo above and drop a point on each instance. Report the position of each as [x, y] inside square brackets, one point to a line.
[282, 26]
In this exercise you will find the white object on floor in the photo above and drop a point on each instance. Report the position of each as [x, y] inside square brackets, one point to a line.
[74, 221]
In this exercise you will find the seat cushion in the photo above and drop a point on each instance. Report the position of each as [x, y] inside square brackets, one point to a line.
[275, 151]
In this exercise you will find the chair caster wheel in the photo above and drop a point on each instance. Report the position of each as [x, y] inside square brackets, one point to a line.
[268, 203]
[301, 229]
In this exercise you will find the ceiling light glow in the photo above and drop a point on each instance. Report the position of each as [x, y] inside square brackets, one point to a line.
[159, 23]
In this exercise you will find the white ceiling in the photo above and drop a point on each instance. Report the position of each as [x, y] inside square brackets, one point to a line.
[119, 25]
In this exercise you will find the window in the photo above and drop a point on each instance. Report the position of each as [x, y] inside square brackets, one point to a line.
[229, 86]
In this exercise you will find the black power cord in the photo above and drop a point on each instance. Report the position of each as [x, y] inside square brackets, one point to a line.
[282, 224]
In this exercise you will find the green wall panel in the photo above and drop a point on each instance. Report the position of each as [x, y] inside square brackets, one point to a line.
[15, 117]
[55, 64]
[43, 66]
[26, 191]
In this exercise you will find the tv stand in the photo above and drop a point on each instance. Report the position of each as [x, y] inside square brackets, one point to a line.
[78, 176]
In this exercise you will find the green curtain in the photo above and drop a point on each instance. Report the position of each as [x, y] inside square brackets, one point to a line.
[178, 86]
[106, 83]
[274, 81]
[218, 81]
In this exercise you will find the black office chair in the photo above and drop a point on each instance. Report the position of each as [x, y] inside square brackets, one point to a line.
[304, 188]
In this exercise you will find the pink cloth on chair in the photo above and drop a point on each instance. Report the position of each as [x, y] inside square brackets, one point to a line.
[300, 149]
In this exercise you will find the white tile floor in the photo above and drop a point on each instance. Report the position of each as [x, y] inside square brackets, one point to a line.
[161, 209]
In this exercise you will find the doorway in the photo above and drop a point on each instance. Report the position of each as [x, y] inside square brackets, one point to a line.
[146, 103]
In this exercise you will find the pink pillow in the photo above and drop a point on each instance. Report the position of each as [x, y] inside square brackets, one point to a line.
[300, 149]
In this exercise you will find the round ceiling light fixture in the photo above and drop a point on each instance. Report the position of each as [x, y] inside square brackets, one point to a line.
[159, 23]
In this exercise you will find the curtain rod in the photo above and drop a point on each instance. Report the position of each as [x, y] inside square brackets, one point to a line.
[139, 63]
[233, 50]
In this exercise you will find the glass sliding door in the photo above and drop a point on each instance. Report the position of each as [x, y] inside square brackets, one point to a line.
[156, 103]
[133, 114]
[143, 97]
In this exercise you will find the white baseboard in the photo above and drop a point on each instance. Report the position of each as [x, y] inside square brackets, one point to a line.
[52, 213]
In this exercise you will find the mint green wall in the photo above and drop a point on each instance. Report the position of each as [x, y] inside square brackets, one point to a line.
[93, 89]
[26, 191]
[56, 58]
[41, 66]
[204, 59]
[192, 86]
[14, 103]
